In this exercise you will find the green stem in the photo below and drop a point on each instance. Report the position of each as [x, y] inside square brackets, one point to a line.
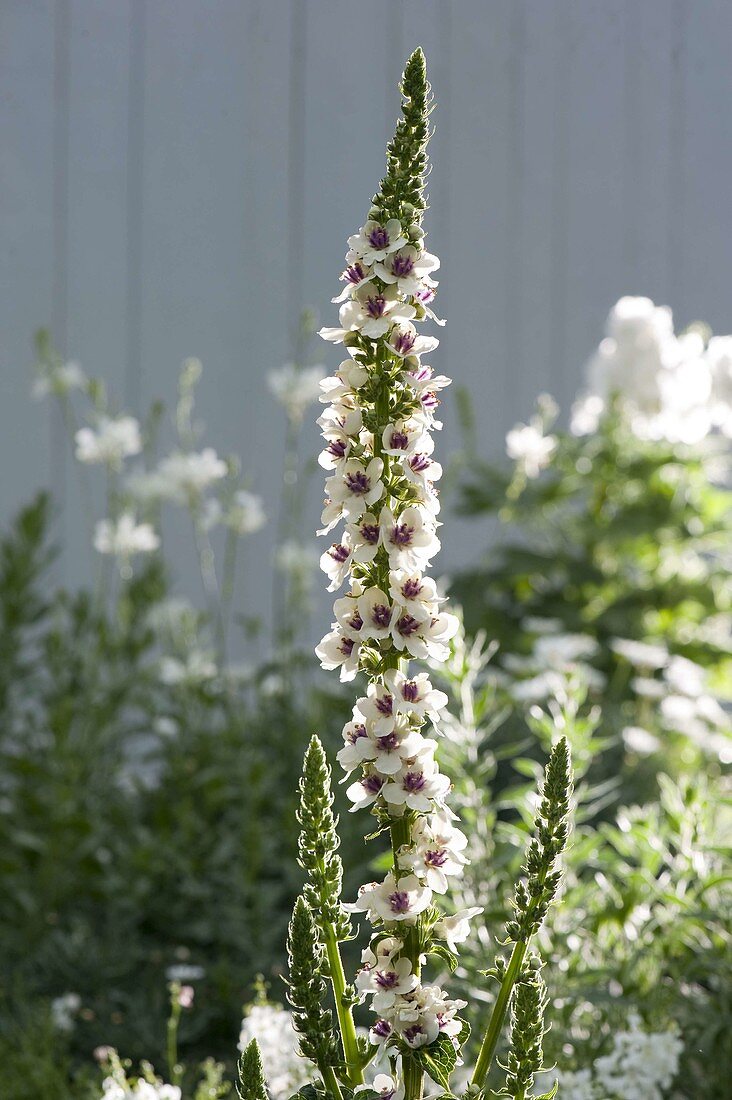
[172, 1047]
[498, 1015]
[343, 1008]
[331, 1083]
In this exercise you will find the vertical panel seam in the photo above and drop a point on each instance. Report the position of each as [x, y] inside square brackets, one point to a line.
[295, 170]
[134, 199]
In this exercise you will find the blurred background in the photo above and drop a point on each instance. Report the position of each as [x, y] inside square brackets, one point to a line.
[180, 178]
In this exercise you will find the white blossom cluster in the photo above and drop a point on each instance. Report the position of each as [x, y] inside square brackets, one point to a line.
[113, 1089]
[672, 387]
[381, 408]
[641, 1066]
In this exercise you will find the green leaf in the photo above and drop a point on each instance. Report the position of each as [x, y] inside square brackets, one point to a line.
[439, 1058]
[550, 1095]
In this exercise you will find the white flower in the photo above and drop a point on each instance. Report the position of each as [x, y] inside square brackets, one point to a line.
[374, 242]
[527, 445]
[406, 438]
[410, 542]
[406, 341]
[124, 537]
[365, 791]
[640, 654]
[386, 982]
[417, 785]
[357, 487]
[719, 359]
[424, 636]
[416, 694]
[355, 275]
[385, 1087]
[271, 1025]
[365, 537]
[59, 379]
[640, 741]
[339, 650]
[376, 613]
[295, 388]
[372, 312]
[456, 929]
[186, 475]
[407, 267]
[393, 900]
[113, 440]
[245, 513]
[64, 1010]
[197, 668]
[336, 562]
[558, 650]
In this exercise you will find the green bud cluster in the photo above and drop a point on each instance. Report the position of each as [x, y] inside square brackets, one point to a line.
[541, 877]
[251, 1084]
[318, 843]
[526, 1055]
[306, 989]
[401, 192]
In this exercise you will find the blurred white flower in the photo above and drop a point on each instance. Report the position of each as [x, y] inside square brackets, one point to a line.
[640, 741]
[181, 477]
[664, 381]
[59, 379]
[245, 513]
[296, 387]
[271, 1026]
[640, 654]
[719, 359]
[113, 440]
[64, 1010]
[197, 668]
[124, 537]
[527, 445]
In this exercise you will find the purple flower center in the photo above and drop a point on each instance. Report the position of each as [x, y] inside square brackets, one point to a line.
[381, 615]
[337, 447]
[426, 294]
[385, 704]
[354, 274]
[355, 622]
[411, 588]
[436, 857]
[404, 341]
[372, 783]
[420, 463]
[402, 265]
[399, 440]
[338, 552]
[412, 1033]
[382, 1029]
[414, 781]
[399, 901]
[407, 625]
[378, 237]
[376, 305]
[401, 534]
[430, 400]
[386, 979]
[346, 646]
[358, 483]
[370, 533]
[410, 691]
[422, 373]
[388, 742]
[356, 733]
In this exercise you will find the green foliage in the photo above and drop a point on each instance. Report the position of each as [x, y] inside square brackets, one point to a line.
[525, 1054]
[318, 843]
[251, 1084]
[401, 193]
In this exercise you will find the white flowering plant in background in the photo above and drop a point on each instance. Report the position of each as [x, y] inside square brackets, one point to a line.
[382, 499]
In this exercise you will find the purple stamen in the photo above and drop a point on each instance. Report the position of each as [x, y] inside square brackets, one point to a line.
[337, 447]
[382, 1029]
[413, 782]
[372, 783]
[370, 533]
[388, 742]
[358, 483]
[346, 646]
[410, 691]
[386, 979]
[407, 625]
[413, 1032]
[401, 534]
[412, 588]
[385, 704]
[436, 858]
[378, 237]
[402, 265]
[430, 400]
[404, 341]
[356, 733]
[355, 622]
[375, 306]
[399, 441]
[399, 901]
[381, 615]
[354, 274]
[420, 463]
[338, 552]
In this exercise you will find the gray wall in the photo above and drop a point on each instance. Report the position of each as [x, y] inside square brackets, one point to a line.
[179, 178]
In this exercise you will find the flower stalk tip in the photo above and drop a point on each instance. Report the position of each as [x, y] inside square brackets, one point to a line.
[251, 1083]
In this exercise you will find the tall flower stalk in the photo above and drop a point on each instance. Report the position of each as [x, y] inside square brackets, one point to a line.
[382, 407]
